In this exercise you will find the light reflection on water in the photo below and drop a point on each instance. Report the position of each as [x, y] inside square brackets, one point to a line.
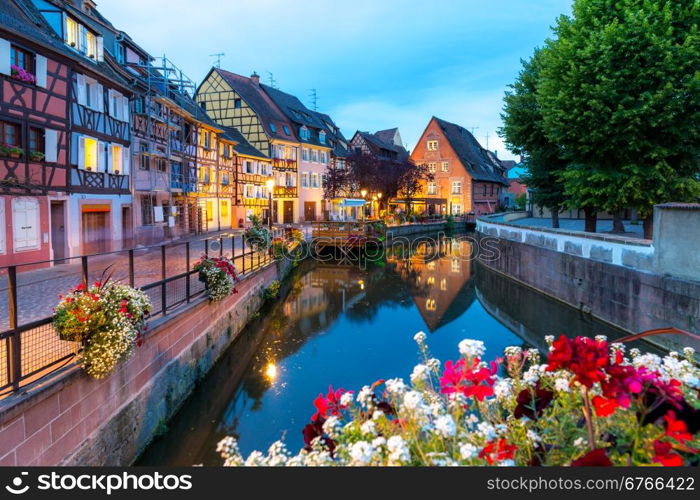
[348, 327]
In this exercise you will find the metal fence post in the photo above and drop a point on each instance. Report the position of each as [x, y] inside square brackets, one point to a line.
[163, 297]
[84, 270]
[14, 359]
[187, 265]
[206, 247]
[221, 247]
[132, 279]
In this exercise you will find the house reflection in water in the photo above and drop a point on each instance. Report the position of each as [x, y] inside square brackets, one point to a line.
[438, 273]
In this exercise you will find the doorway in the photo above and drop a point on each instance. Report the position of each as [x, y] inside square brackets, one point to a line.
[127, 228]
[275, 210]
[95, 232]
[58, 231]
[288, 212]
[309, 211]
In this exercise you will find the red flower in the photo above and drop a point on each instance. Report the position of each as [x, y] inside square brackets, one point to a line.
[664, 456]
[604, 407]
[328, 404]
[498, 450]
[471, 380]
[594, 458]
[678, 431]
[531, 403]
[585, 357]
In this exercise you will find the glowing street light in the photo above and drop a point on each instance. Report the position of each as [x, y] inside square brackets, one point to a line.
[271, 372]
[363, 192]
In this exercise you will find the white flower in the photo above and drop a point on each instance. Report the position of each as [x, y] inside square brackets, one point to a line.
[601, 338]
[368, 427]
[651, 361]
[346, 399]
[506, 463]
[562, 384]
[503, 388]
[549, 339]
[433, 364]
[395, 386]
[579, 442]
[332, 426]
[255, 459]
[378, 442]
[689, 353]
[361, 453]
[468, 451]
[471, 348]
[533, 436]
[398, 450]
[366, 397]
[420, 338]
[377, 414]
[420, 373]
[445, 426]
[412, 400]
[487, 430]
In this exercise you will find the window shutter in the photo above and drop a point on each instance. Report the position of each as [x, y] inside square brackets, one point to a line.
[81, 152]
[5, 56]
[110, 103]
[100, 49]
[40, 64]
[51, 145]
[126, 152]
[3, 224]
[125, 108]
[25, 222]
[101, 156]
[110, 160]
[100, 97]
[82, 89]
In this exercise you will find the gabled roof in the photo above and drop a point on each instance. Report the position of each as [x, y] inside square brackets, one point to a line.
[261, 103]
[387, 135]
[378, 145]
[335, 137]
[242, 147]
[481, 164]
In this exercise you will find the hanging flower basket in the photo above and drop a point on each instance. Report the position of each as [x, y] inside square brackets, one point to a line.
[107, 319]
[589, 404]
[218, 275]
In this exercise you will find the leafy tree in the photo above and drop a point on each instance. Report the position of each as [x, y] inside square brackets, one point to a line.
[619, 90]
[523, 132]
[412, 180]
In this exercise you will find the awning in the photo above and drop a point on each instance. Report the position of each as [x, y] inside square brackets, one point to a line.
[95, 208]
[350, 202]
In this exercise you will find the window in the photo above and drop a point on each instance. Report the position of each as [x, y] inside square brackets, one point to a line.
[455, 266]
[72, 33]
[249, 167]
[324, 180]
[305, 179]
[456, 209]
[314, 156]
[90, 156]
[457, 187]
[161, 163]
[443, 284]
[432, 145]
[227, 151]
[118, 106]
[224, 208]
[322, 137]
[445, 166]
[304, 154]
[10, 133]
[121, 53]
[237, 104]
[117, 157]
[430, 304]
[25, 224]
[432, 167]
[144, 158]
[314, 180]
[90, 93]
[286, 130]
[304, 133]
[22, 59]
[83, 40]
[273, 128]
[36, 139]
[323, 156]
[484, 187]
[206, 139]
[224, 179]
[432, 188]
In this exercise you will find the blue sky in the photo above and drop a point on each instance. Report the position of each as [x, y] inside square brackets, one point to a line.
[375, 63]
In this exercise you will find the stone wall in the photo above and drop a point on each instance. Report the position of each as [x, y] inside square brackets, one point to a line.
[72, 419]
[677, 239]
[630, 298]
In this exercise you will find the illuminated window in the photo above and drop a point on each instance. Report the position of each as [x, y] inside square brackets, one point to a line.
[445, 166]
[443, 284]
[432, 145]
[224, 208]
[314, 180]
[305, 179]
[432, 188]
[455, 265]
[431, 265]
[90, 162]
[117, 157]
[431, 281]
[430, 304]
[72, 33]
[432, 167]
[210, 211]
[457, 187]
[322, 137]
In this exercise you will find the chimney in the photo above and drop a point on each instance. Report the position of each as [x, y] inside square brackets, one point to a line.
[256, 78]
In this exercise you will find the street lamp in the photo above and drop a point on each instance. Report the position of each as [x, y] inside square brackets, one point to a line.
[363, 192]
[270, 184]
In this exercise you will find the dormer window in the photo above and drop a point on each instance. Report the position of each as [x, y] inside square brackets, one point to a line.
[83, 40]
[273, 128]
[305, 133]
[286, 130]
[322, 137]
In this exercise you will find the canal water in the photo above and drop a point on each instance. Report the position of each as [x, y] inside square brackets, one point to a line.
[348, 325]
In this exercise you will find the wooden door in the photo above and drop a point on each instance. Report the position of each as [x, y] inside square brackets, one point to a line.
[95, 232]
[288, 212]
[310, 211]
[127, 229]
[58, 231]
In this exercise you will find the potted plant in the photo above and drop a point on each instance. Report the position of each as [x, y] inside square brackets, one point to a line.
[106, 319]
[36, 156]
[257, 236]
[15, 152]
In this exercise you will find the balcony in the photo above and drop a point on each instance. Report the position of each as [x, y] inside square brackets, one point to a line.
[285, 192]
[284, 164]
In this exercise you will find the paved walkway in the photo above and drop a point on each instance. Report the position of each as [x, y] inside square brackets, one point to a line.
[603, 226]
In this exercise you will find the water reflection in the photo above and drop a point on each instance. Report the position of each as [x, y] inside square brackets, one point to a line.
[346, 326]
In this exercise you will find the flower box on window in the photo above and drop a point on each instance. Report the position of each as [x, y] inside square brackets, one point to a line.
[22, 74]
[36, 156]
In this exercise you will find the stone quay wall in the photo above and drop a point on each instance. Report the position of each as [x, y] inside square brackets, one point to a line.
[73, 419]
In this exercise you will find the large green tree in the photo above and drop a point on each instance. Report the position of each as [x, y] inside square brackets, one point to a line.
[620, 94]
[523, 132]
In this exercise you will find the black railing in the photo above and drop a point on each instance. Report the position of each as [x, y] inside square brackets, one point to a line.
[29, 346]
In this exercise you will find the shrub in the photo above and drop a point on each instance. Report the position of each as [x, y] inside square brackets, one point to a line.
[272, 291]
[257, 236]
[106, 319]
[589, 404]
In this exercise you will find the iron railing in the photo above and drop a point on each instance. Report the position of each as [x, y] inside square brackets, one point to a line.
[29, 346]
